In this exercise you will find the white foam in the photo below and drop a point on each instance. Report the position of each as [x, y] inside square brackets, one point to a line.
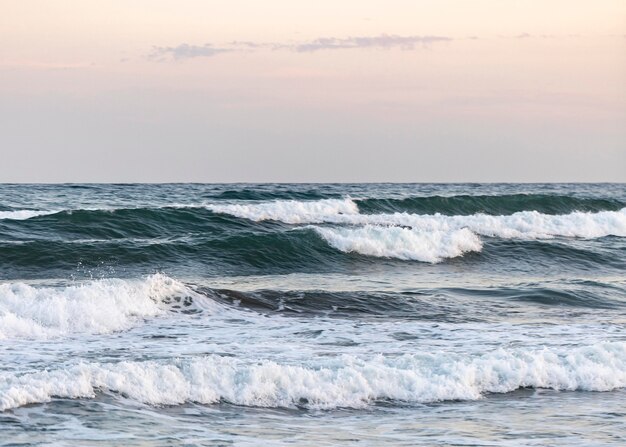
[289, 211]
[523, 224]
[401, 243]
[97, 307]
[345, 381]
[29, 214]
[24, 214]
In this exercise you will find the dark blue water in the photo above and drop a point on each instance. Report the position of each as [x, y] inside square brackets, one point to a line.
[470, 314]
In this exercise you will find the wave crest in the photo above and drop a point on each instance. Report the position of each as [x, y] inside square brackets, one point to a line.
[95, 307]
[24, 214]
[289, 211]
[401, 243]
[345, 381]
[523, 224]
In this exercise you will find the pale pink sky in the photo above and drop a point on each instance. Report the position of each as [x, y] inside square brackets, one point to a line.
[161, 90]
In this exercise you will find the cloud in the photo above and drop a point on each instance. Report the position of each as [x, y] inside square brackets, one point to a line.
[382, 41]
[186, 51]
[241, 44]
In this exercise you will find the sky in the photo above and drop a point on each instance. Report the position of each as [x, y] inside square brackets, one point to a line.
[312, 91]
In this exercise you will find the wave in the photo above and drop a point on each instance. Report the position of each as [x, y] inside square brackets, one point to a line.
[488, 204]
[98, 211]
[339, 382]
[24, 214]
[278, 203]
[441, 304]
[402, 243]
[141, 222]
[523, 224]
[264, 250]
[289, 211]
[95, 307]
[274, 192]
[246, 236]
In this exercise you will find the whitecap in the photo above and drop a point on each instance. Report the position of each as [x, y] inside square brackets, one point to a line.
[520, 225]
[95, 307]
[402, 243]
[345, 381]
[289, 211]
[25, 214]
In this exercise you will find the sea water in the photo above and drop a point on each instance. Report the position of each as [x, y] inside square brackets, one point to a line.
[313, 314]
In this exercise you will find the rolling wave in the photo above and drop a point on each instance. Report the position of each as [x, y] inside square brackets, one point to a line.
[110, 305]
[431, 304]
[257, 232]
[401, 243]
[96, 307]
[341, 382]
[523, 224]
[24, 214]
[289, 211]
[488, 204]
[426, 238]
[276, 250]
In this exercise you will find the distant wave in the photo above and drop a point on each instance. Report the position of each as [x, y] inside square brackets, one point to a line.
[274, 192]
[488, 204]
[233, 229]
[290, 211]
[29, 214]
[97, 307]
[346, 381]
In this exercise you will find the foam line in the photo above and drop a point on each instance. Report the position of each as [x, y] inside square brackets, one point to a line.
[24, 214]
[289, 211]
[523, 224]
[345, 381]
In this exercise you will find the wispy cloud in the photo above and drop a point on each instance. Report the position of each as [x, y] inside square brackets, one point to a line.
[538, 36]
[186, 51]
[382, 41]
[242, 44]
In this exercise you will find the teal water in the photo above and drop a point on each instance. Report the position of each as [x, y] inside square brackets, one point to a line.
[241, 314]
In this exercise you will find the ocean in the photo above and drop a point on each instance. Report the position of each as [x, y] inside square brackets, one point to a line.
[313, 314]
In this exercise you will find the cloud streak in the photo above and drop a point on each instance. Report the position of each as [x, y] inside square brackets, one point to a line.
[383, 41]
[186, 51]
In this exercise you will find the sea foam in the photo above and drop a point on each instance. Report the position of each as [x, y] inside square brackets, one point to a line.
[345, 381]
[24, 214]
[96, 307]
[523, 224]
[520, 225]
[289, 211]
[401, 243]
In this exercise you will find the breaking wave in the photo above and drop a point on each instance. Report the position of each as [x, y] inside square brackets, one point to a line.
[345, 381]
[523, 224]
[289, 211]
[96, 307]
[24, 214]
[401, 243]
[228, 233]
